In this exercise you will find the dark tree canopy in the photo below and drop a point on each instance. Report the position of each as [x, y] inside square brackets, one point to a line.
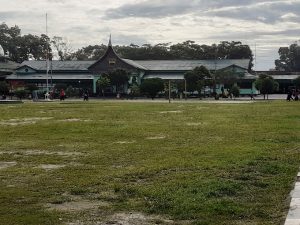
[266, 85]
[297, 82]
[197, 78]
[289, 58]
[152, 86]
[4, 88]
[118, 77]
[187, 50]
[19, 48]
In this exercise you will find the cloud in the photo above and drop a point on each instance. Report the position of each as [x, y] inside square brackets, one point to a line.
[269, 23]
[266, 12]
[167, 8]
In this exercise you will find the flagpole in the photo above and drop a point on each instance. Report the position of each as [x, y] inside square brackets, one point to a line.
[47, 63]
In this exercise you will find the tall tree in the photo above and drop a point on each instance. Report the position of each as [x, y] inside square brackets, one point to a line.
[102, 83]
[62, 47]
[197, 78]
[266, 85]
[20, 48]
[152, 86]
[118, 78]
[289, 58]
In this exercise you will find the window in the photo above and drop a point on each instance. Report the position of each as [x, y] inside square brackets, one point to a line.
[111, 62]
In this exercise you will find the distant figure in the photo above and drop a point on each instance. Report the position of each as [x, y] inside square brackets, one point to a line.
[86, 96]
[289, 96]
[62, 95]
[296, 95]
[3, 97]
[252, 96]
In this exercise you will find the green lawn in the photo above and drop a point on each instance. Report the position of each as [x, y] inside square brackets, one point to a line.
[197, 163]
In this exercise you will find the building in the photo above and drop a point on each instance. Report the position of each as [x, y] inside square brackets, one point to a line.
[85, 74]
[7, 67]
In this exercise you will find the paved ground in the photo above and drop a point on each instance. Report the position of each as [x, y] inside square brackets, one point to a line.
[189, 100]
[293, 217]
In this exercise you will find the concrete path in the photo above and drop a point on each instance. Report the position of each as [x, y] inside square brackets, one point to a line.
[293, 217]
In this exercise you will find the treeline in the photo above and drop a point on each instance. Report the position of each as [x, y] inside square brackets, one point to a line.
[25, 47]
[19, 48]
[165, 51]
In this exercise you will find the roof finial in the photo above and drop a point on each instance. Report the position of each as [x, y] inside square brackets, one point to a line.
[109, 43]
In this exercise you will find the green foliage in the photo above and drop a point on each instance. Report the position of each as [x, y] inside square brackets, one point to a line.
[31, 87]
[103, 82]
[152, 86]
[297, 82]
[72, 92]
[20, 48]
[163, 51]
[118, 78]
[60, 86]
[62, 47]
[197, 78]
[235, 90]
[289, 58]
[21, 93]
[135, 90]
[266, 85]
[227, 78]
[4, 88]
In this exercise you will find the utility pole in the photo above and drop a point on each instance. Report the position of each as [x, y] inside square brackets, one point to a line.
[185, 89]
[47, 63]
[169, 91]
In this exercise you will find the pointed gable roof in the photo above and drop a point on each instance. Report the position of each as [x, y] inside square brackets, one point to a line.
[103, 64]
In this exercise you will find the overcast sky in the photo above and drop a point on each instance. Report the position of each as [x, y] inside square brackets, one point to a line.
[268, 24]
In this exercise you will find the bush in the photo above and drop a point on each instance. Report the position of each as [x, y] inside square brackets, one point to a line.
[152, 86]
[4, 88]
[21, 94]
[235, 90]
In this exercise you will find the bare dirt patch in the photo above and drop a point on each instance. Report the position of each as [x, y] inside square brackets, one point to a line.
[196, 124]
[175, 111]
[74, 120]
[23, 121]
[59, 153]
[79, 205]
[125, 142]
[135, 219]
[159, 137]
[4, 165]
[50, 166]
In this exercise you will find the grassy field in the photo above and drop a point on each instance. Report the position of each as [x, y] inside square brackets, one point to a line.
[147, 163]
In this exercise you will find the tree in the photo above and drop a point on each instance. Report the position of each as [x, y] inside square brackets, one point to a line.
[135, 90]
[21, 93]
[266, 85]
[227, 78]
[197, 78]
[289, 58]
[118, 78]
[62, 47]
[19, 48]
[102, 83]
[31, 87]
[152, 86]
[297, 82]
[235, 90]
[4, 88]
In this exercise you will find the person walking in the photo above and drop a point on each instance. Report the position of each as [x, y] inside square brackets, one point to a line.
[62, 95]
[86, 96]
